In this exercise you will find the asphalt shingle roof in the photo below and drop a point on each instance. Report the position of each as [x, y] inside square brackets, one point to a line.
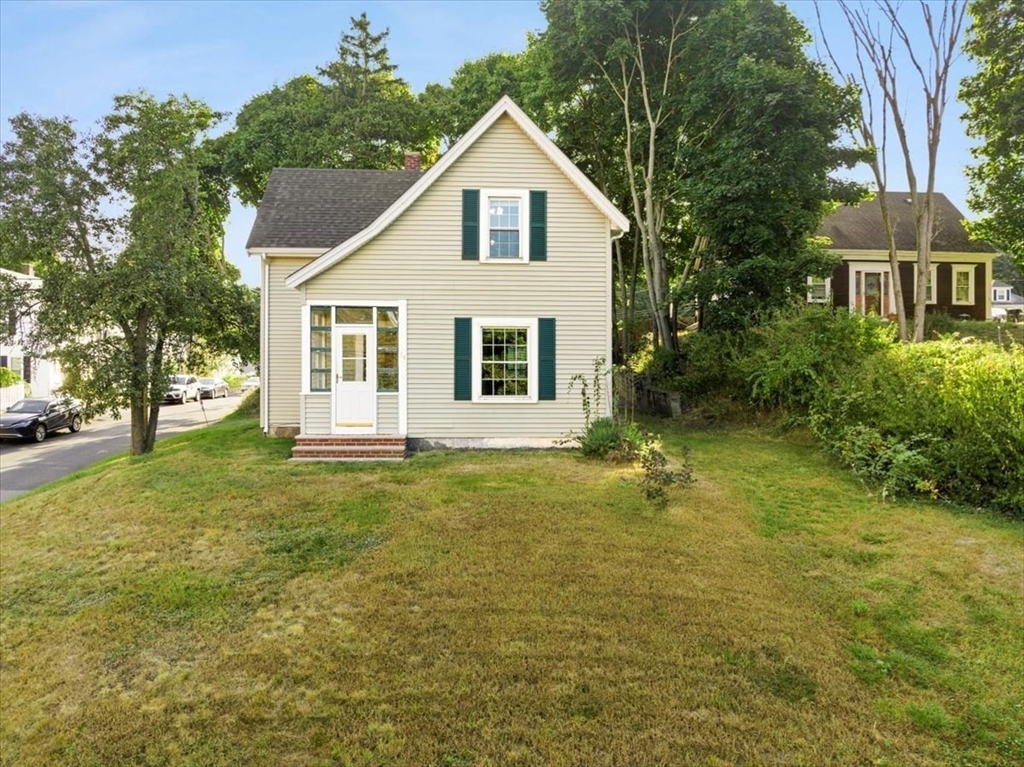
[321, 208]
[860, 228]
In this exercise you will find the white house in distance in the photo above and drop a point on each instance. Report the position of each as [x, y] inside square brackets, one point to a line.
[448, 307]
[42, 376]
[1005, 303]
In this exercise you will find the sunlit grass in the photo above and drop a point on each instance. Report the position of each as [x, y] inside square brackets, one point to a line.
[213, 604]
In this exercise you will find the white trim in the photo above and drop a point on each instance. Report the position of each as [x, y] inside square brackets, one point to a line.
[504, 106]
[532, 360]
[264, 345]
[403, 367]
[297, 252]
[870, 266]
[969, 271]
[523, 195]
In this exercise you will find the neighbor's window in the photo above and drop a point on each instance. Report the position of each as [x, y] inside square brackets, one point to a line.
[963, 284]
[818, 289]
[320, 348]
[387, 349]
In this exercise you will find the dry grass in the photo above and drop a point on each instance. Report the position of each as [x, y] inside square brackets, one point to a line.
[215, 605]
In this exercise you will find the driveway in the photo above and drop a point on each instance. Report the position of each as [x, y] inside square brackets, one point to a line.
[25, 466]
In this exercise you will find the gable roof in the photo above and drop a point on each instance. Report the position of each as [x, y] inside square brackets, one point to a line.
[860, 227]
[505, 106]
[318, 208]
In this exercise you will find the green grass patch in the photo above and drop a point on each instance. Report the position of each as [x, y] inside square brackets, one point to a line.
[214, 604]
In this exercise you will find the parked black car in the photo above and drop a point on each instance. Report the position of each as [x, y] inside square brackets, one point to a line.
[36, 417]
[211, 388]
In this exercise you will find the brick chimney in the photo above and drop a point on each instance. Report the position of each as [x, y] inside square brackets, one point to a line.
[28, 269]
[412, 160]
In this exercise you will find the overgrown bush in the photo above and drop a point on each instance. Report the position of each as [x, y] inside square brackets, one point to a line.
[942, 417]
[8, 377]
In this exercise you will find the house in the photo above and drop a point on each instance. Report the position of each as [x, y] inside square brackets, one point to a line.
[961, 268]
[42, 377]
[1005, 303]
[449, 307]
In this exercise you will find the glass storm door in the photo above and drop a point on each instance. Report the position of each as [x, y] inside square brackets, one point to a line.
[873, 292]
[355, 380]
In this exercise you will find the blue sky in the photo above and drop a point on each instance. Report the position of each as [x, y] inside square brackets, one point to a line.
[66, 57]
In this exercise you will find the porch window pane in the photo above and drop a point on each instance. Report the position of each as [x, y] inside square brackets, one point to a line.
[354, 315]
[320, 348]
[387, 349]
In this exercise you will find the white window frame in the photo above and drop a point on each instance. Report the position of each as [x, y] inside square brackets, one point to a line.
[811, 282]
[523, 195]
[532, 359]
[963, 269]
[1001, 295]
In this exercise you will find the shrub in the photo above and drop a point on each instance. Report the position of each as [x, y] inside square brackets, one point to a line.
[601, 438]
[8, 377]
[953, 412]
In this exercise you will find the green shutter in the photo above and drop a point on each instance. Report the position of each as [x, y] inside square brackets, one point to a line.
[539, 226]
[470, 224]
[463, 358]
[546, 352]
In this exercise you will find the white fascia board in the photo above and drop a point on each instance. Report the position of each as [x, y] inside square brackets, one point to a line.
[504, 106]
[297, 252]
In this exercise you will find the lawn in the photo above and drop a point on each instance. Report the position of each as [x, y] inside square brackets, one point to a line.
[213, 604]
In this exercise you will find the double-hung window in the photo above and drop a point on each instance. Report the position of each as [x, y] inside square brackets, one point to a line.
[505, 359]
[505, 235]
[818, 289]
[963, 285]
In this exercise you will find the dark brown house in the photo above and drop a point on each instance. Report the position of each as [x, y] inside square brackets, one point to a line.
[961, 268]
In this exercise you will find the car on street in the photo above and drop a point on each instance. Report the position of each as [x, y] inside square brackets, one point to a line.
[181, 388]
[36, 417]
[250, 383]
[211, 388]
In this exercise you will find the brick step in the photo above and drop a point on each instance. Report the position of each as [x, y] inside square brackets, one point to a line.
[348, 448]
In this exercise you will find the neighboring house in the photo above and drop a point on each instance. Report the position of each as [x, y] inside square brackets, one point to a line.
[1005, 303]
[961, 268]
[42, 376]
[450, 307]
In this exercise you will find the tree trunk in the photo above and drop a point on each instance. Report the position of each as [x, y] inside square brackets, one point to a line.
[894, 262]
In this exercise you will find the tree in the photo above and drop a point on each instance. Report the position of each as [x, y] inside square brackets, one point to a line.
[356, 114]
[125, 228]
[931, 63]
[995, 114]
[763, 129]
[632, 52]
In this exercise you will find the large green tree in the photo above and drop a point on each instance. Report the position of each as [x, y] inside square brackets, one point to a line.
[994, 96]
[356, 113]
[125, 228]
[764, 127]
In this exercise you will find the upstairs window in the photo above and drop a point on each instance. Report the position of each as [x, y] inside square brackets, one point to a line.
[503, 223]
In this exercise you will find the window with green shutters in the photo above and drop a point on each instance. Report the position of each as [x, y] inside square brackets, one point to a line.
[320, 348]
[504, 359]
[504, 225]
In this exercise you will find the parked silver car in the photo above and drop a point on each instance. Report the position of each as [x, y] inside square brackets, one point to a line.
[181, 388]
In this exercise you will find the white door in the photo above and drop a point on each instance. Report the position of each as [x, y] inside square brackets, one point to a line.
[355, 380]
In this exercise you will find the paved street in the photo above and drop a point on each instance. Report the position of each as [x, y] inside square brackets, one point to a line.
[24, 465]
